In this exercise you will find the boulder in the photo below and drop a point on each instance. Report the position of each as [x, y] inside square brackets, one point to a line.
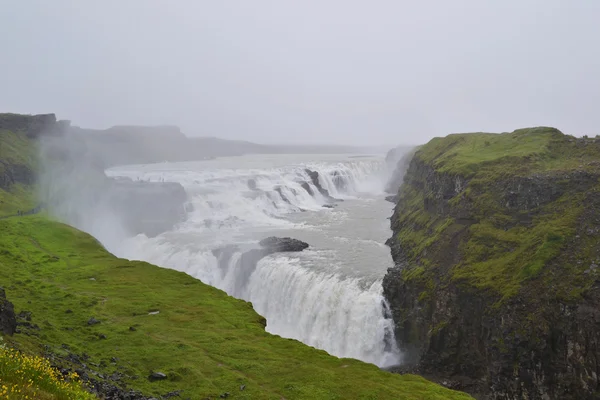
[392, 198]
[276, 244]
[157, 376]
[8, 320]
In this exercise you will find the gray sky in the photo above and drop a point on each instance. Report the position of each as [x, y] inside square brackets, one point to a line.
[351, 72]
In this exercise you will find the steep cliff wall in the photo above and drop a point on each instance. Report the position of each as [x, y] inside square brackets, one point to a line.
[77, 191]
[44, 161]
[496, 246]
[397, 161]
[18, 160]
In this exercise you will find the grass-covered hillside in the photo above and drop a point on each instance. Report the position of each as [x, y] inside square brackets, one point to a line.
[497, 242]
[116, 322]
[520, 196]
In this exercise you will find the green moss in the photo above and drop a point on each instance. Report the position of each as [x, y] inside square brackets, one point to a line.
[437, 328]
[207, 342]
[499, 249]
[16, 150]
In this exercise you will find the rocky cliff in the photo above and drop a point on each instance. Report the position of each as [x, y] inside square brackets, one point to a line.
[77, 190]
[18, 161]
[496, 243]
[45, 161]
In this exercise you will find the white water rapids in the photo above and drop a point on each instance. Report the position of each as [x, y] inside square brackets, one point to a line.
[328, 296]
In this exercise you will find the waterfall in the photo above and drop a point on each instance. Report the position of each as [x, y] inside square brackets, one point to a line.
[342, 313]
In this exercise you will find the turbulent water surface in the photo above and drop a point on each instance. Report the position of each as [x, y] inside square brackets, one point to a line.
[328, 296]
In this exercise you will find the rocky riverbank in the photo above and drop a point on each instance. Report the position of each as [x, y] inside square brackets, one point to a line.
[496, 243]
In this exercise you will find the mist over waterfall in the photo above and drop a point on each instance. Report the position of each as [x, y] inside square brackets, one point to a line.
[328, 296]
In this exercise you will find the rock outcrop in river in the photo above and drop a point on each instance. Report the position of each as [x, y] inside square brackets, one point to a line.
[496, 243]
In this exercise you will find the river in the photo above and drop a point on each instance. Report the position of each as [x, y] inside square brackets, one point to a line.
[328, 296]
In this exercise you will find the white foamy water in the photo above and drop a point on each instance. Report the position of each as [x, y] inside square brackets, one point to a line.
[328, 296]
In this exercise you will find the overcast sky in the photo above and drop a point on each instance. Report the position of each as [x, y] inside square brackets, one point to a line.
[351, 72]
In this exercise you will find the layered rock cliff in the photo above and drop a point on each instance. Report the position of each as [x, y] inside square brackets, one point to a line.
[496, 243]
[45, 162]
[78, 191]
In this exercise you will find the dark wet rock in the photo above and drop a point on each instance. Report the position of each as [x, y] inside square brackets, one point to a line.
[32, 125]
[13, 174]
[101, 336]
[24, 315]
[27, 325]
[107, 387]
[314, 177]
[8, 320]
[392, 199]
[340, 181]
[307, 187]
[329, 205]
[157, 376]
[132, 329]
[276, 244]
[176, 393]
[93, 321]
[283, 196]
[251, 184]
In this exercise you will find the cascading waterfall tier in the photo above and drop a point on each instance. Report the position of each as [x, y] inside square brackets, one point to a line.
[314, 296]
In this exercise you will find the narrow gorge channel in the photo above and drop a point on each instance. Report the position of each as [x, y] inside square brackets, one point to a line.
[328, 296]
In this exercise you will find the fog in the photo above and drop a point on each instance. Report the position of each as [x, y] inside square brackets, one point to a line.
[338, 72]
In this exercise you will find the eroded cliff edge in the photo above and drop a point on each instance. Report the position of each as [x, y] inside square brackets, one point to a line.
[496, 243]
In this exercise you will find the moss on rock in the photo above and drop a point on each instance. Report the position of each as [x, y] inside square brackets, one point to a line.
[496, 235]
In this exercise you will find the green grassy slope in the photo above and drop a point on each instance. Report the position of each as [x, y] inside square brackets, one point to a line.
[206, 342]
[490, 245]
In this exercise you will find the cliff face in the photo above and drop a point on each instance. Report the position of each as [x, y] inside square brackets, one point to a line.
[496, 247]
[18, 161]
[78, 192]
[16, 166]
[44, 161]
